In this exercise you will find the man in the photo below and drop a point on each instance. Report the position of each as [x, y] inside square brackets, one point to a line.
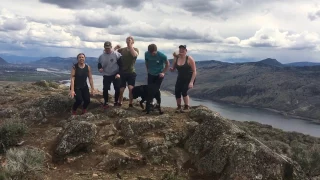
[109, 63]
[128, 74]
[157, 65]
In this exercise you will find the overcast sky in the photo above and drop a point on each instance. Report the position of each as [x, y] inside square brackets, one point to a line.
[226, 30]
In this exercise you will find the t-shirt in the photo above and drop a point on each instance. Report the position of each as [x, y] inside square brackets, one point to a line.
[109, 63]
[128, 61]
[155, 63]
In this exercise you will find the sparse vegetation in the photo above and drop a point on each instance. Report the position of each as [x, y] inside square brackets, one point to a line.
[303, 149]
[11, 132]
[25, 160]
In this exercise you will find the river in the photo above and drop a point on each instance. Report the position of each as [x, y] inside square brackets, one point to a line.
[239, 113]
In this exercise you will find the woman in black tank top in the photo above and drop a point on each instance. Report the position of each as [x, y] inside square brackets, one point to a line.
[79, 88]
[186, 76]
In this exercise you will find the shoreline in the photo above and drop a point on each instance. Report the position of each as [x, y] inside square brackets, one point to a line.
[284, 113]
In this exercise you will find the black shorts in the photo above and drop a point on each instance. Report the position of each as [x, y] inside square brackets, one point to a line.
[127, 78]
[107, 80]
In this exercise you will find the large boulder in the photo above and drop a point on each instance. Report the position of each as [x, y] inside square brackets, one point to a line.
[78, 135]
[218, 148]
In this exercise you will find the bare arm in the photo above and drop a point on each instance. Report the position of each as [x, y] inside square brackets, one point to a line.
[90, 78]
[133, 52]
[194, 69]
[72, 77]
[166, 67]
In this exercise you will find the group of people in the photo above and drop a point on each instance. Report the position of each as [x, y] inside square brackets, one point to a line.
[117, 67]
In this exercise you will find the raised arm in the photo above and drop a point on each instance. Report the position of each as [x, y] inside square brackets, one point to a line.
[175, 57]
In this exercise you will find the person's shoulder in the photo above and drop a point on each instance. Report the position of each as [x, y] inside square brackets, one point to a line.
[162, 55]
[116, 53]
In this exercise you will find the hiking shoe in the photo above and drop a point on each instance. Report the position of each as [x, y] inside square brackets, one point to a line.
[186, 107]
[178, 109]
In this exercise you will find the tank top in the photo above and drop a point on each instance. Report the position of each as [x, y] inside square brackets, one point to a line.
[81, 75]
[185, 70]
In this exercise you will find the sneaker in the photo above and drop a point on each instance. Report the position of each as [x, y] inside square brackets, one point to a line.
[186, 107]
[106, 106]
[84, 111]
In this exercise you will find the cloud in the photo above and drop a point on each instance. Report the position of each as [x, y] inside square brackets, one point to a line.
[102, 18]
[13, 24]
[314, 15]
[83, 4]
[273, 37]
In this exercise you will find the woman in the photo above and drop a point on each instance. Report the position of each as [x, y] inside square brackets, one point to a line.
[79, 88]
[186, 76]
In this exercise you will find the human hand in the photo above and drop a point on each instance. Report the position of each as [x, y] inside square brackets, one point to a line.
[93, 91]
[101, 70]
[161, 75]
[171, 69]
[117, 47]
[72, 94]
[117, 76]
[190, 85]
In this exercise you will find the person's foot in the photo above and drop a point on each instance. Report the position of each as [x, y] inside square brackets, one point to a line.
[105, 106]
[178, 109]
[84, 111]
[185, 108]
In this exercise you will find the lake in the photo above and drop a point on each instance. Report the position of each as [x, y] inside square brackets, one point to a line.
[238, 113]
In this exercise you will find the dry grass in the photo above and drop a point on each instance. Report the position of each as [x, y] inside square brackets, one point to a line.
[11, 132]
[25, 160]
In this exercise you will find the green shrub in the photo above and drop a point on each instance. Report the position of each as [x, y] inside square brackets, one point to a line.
[24, 160]
[11, 132]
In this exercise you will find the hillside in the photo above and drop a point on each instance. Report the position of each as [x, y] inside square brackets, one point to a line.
[43, 141]
[2, 61]
[291, 90]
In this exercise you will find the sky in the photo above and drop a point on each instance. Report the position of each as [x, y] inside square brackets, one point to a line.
[224, 30]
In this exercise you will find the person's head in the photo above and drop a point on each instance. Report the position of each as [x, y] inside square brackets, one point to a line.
[183, 50]
[130, 38]
[152, 48]
[107, 47]
[81, 58]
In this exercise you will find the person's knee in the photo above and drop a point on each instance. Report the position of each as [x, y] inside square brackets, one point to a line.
[184, 93]
[177, 94]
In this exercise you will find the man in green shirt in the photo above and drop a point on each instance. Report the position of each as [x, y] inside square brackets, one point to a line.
[157, 64]
[128, 74]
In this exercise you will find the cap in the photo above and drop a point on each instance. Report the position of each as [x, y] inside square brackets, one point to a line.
[107, 44]
[183, 46]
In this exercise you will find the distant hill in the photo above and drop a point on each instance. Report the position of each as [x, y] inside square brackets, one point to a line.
[263, 84]
[13, 59]
[271, 62]
[300, 64]
[2, 61]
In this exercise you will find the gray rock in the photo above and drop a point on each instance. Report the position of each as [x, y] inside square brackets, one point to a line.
[136, 126]
[218, 147]
[77, 135]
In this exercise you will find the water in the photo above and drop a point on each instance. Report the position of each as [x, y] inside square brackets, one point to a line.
[238, 113]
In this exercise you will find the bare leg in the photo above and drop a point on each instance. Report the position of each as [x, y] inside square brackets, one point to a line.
[186, 100]
[130, 94]
[121, 95]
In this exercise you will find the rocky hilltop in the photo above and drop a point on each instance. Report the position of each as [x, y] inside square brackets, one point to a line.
[41, 140]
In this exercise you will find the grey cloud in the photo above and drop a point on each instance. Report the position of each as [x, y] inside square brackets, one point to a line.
[50, 21]
[101, 21]
[261, 44]
[82, 4]
[314, 16]
[12, 24]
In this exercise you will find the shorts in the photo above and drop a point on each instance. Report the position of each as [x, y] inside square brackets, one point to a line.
[128, 78]
[107, 80]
